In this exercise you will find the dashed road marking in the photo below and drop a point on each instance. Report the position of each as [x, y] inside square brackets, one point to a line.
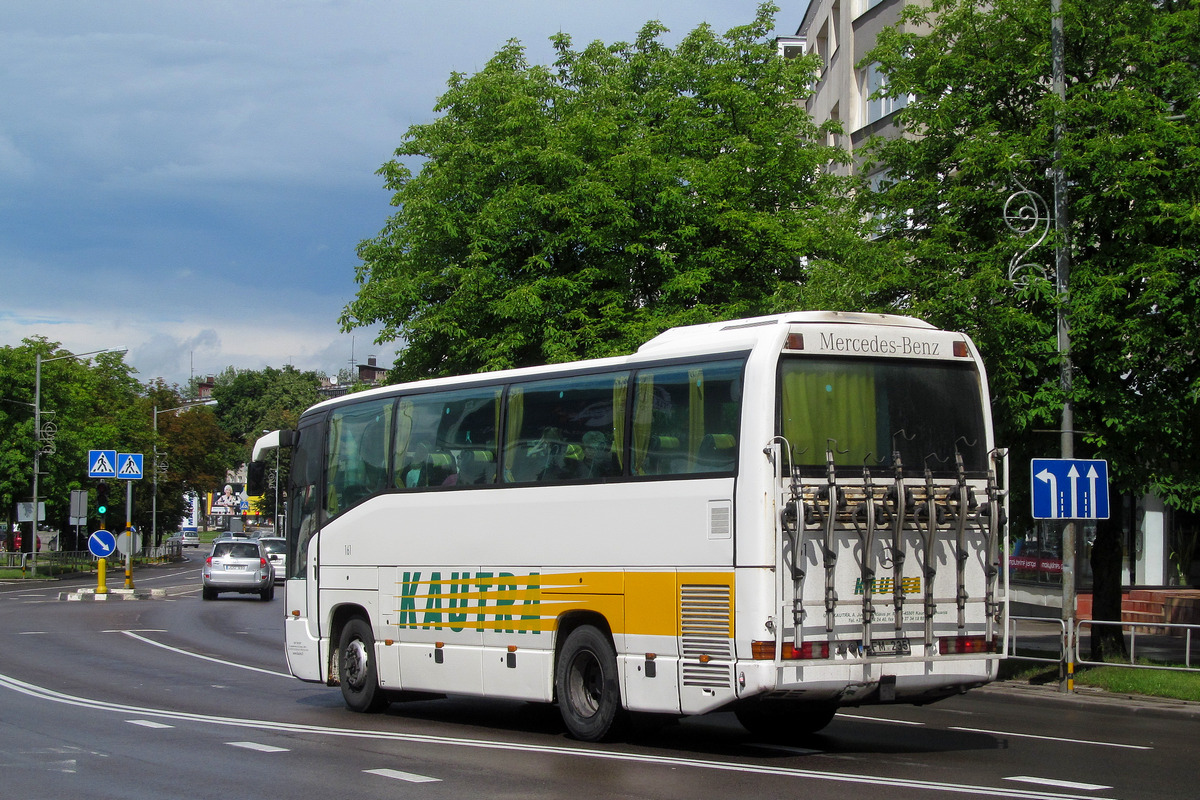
[402, 776]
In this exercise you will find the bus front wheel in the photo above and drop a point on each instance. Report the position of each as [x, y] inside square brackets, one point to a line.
[588, 689]
[356, 668]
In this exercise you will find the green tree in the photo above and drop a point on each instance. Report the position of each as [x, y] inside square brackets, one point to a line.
[575, 210]
[251, 401]
[984, 114]
[89, 404]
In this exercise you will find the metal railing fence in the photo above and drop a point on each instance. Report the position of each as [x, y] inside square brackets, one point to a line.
[1167, 643]
[1044, 639]
[58, 562]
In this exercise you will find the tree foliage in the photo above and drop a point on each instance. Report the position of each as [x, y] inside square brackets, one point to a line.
[96, 403]
[574, 210]
[983, 114]
[251, 401]
[85, 401]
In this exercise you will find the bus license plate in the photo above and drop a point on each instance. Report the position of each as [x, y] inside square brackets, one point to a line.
[888, 647]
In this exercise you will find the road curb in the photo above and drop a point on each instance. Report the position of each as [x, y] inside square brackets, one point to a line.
[113, 594]
[1090, 697]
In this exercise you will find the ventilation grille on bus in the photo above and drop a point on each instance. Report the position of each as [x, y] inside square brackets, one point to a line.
[706, 630]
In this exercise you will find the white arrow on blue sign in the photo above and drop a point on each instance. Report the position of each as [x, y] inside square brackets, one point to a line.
[1069, 488]
[102, 543]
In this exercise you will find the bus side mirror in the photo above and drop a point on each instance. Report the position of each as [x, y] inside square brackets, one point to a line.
[256, 473]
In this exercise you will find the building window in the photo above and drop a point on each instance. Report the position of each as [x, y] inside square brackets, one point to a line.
[878, 107]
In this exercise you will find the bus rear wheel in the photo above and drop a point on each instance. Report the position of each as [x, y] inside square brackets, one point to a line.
[588, 689]
[356, 668]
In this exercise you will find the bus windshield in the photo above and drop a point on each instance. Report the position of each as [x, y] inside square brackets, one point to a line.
[864, 410]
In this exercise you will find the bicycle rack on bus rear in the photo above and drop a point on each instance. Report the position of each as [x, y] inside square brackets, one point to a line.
[817, 510]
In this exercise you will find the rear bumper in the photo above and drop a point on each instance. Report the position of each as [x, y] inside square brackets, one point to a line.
[226, 582]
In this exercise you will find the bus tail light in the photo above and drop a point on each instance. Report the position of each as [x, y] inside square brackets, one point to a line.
[956, 645]
[960, 349]
[765, 651]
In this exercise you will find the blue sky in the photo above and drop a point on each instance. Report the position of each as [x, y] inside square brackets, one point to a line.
[190, 179]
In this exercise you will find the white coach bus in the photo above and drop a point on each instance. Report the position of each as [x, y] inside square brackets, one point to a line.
[776, 516]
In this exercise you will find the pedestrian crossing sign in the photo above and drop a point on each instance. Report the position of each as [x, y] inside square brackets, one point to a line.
[102, 463]
[129, 466]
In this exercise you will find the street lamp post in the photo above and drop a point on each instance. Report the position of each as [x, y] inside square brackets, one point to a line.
[1062, 271]
[154, 498]
[38, 433]
[1025, 213]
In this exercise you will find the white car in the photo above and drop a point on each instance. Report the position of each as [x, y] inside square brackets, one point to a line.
[189, 538]
[238, 565]
[276, 547]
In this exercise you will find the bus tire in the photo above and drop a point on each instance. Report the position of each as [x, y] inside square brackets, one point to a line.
[356, 668]
[587, 685]
[783, 721]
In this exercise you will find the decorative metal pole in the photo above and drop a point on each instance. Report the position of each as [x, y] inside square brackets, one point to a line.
[1062, 272]
[1025, 214]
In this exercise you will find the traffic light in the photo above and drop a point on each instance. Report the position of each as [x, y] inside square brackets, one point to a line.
[102, 498]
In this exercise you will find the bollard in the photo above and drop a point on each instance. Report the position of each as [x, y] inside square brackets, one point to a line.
[101, 568]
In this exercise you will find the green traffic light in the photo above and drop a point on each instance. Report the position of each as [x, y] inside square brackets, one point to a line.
[102, 510]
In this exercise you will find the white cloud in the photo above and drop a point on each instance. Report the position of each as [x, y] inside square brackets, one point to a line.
[190, 180]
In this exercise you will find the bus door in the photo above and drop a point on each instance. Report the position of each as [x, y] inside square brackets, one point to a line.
[302, 631]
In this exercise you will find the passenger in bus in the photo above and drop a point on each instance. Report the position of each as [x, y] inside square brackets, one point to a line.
[598, 460]
[475, 466]
[550, 455]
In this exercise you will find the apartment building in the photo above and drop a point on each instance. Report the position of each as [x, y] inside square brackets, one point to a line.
[841, 33]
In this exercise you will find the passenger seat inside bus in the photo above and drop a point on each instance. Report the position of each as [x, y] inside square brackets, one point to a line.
[718, 453]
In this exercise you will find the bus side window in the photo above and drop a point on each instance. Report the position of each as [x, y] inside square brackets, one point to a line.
[356, 464]
[686, 419]
[566, 429]
[447, 439]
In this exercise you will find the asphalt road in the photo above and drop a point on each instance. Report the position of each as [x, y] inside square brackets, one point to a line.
[176, 697]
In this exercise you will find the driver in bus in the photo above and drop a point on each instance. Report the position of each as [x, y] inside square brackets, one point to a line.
[598, 460]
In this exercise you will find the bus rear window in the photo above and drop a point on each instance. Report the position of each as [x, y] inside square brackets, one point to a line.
[864, 410]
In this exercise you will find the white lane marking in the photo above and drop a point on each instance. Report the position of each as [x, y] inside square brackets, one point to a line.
[148, 723]
[1087, 787]
[673, 762]
[402, 776]
[1053, 738]
[143, 639]
[261, 748]
[869, 718]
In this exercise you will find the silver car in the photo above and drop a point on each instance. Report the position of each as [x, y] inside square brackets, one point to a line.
[238, 565]
[276, 547]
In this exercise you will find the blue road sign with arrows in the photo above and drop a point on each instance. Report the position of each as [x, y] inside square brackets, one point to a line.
[1069, 488]
[102, 543]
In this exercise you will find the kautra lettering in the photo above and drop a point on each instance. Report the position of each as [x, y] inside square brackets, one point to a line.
[502, 602]
[888, 585]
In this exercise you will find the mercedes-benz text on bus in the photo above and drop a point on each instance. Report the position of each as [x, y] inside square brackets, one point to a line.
[776, 516]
